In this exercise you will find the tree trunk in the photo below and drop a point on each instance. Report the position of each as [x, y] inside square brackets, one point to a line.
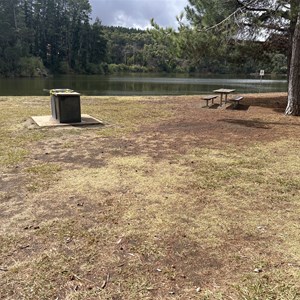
[293, 106]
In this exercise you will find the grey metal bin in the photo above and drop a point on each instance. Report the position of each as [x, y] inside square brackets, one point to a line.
[65, 106]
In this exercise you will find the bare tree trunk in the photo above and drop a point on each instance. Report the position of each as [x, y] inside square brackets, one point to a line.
[293, 106]
[14, 14]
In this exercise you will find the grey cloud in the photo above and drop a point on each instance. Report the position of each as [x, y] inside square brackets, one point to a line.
[137, 13]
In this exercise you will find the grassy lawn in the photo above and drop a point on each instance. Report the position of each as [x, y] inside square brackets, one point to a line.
[167, 200]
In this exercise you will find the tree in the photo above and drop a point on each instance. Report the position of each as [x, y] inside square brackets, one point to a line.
[255, 18]
[217, 50]
[293, 107]
[10, 49]
[98, 43]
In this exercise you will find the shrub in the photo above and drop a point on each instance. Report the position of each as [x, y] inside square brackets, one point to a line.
[31, 67]
[114, 68]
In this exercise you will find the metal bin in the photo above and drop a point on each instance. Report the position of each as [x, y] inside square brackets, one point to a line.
[65, 106]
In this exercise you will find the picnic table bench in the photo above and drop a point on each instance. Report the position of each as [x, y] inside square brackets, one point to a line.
[236, 100]
[209, 98]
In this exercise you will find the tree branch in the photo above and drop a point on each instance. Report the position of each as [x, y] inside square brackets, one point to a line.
[270, 12]
[269, 27]
[239, 2]
[238, 10]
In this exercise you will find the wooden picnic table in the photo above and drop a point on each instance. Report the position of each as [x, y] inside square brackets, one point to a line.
[223, 92]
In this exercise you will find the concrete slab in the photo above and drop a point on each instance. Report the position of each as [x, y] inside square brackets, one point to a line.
[48, 121]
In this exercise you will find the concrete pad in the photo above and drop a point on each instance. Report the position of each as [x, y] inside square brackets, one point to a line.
[48, 121]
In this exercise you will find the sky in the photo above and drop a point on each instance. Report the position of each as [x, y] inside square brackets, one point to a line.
[137, 13]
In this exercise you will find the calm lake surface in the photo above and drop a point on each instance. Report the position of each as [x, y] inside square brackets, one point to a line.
[140, 84]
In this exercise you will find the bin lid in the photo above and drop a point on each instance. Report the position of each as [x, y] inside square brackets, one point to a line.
[66, 94]
[63, 92]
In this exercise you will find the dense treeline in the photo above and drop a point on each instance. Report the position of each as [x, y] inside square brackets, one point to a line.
[52, 34]
[38, 37]
[137, 50]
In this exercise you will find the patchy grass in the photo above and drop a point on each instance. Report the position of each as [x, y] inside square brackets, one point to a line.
[124, 114]
[166, 201]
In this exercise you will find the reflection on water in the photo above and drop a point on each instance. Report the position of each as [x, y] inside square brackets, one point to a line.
[140, 84]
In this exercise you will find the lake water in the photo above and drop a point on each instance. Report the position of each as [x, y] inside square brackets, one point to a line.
[140, 84]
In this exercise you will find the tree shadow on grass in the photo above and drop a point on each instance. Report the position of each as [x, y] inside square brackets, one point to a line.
[256, 123]
[238, 107]
[277, 103]
[248, 123]
[280, 110]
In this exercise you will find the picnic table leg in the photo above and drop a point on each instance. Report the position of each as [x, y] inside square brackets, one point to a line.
[221, 100]
[225, 98]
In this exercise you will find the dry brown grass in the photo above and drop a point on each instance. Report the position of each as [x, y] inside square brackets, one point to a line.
[167, 201]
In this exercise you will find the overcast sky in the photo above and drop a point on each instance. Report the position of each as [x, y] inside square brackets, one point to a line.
[137, 13]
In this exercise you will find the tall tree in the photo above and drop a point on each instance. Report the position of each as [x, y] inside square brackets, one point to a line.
[293, 107]
[10, 47]
[98, 43]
